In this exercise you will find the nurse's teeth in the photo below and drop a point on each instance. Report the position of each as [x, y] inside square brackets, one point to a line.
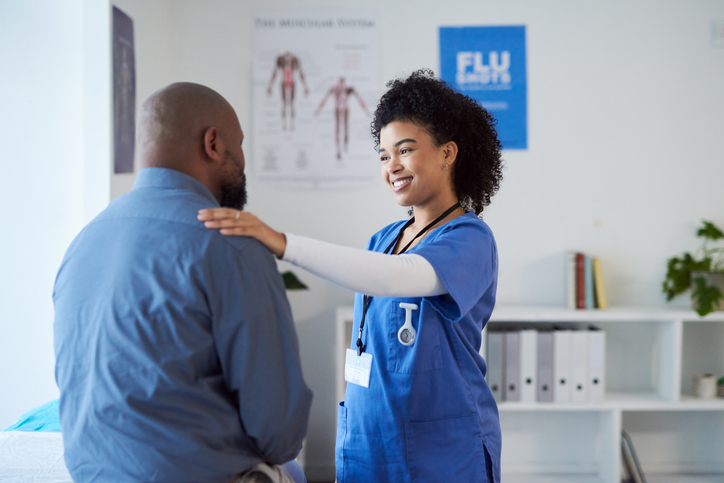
[399, 183]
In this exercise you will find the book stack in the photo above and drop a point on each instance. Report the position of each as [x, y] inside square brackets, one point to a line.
[585, 282]
[546, 363]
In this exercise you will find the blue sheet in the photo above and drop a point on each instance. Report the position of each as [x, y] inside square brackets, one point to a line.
[42, 418]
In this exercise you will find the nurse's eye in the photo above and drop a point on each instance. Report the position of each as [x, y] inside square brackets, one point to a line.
[384, 158]
[405, 150]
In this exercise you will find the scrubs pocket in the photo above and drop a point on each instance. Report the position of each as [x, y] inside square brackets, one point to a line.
[425, 354]
[448, 450]
[339, 446]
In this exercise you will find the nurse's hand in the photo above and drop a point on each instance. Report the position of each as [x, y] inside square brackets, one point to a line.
[240, 223]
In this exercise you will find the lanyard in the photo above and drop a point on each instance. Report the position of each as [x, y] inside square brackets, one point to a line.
[368, 298]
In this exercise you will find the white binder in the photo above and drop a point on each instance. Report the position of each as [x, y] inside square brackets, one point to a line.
[511, 374]
[545, 367]
[579, 366]
[571, 279]
[597, 364]
[495, 361]
[528, 365]
[561, 366]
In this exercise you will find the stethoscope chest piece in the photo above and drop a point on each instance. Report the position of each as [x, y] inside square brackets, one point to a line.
[407, 334]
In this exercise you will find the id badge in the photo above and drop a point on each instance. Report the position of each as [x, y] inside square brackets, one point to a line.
[357, 369]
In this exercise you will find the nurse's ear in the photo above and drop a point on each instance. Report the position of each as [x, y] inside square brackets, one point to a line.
[450, 154]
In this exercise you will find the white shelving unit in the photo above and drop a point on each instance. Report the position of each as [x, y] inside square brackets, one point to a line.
[651, 358]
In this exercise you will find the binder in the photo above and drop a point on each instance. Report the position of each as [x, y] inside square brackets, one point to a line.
[561, 366]
[579, 366]
[495, 361]
[528, 365]
[571, 279]
[597, 364]
[511, 374]
[545, 367]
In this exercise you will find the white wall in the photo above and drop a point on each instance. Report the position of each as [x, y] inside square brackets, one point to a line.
[55, 129]
[41, 188]
[626, 155]
[626, 148]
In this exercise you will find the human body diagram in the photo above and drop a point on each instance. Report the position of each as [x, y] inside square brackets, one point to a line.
[287, 63]
[341, 92]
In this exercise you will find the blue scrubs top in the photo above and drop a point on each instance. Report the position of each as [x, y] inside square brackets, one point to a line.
[428, 414]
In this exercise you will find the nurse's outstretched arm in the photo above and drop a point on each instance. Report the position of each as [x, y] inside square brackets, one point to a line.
[363, 271]
[371, 273]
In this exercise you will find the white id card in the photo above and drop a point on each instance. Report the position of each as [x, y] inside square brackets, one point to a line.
[357, 368]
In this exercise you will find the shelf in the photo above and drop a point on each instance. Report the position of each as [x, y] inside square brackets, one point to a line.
[622, 402]
[613, 314]
[684, 478]
[516, 478]
[651, 356]
[688, 442]
[691, 403]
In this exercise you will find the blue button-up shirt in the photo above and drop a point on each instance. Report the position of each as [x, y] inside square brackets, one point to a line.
[176, 354]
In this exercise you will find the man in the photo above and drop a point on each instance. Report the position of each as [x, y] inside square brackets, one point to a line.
[177, 358]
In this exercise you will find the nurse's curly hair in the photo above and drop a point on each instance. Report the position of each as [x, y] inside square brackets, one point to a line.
[448, 116]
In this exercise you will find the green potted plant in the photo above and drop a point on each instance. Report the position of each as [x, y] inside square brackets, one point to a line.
[291, 282]
[703, 272]
[720, 387]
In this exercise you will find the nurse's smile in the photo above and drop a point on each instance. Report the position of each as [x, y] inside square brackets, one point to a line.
[400, 183]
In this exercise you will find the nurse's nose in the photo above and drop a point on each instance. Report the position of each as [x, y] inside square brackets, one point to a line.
[394, 165]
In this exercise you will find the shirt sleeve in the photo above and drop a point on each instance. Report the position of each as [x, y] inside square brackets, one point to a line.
[258, 349]
[465, 259]
[363, 271]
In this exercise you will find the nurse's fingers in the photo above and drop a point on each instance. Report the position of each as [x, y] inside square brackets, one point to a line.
[244, 220]
[232, 222]
[217, 214]
[273, 240]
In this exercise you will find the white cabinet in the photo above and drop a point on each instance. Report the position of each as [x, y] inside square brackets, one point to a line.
[651, 358]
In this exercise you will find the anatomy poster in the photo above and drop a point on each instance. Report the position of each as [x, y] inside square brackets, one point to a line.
[315, 87]
[489, 65]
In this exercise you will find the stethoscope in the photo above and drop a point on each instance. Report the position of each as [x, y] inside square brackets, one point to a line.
[407, 333]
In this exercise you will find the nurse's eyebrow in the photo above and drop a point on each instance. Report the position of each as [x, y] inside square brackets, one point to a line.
[406, 140]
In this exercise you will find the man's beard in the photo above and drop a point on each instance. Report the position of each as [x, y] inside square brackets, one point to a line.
[233, 191]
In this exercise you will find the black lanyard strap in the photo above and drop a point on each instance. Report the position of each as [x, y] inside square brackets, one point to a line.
[368, 298]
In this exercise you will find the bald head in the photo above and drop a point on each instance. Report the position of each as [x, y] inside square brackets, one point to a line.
[193, 129]
[173, 120]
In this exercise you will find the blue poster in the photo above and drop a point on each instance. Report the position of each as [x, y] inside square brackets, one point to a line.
[488, 64]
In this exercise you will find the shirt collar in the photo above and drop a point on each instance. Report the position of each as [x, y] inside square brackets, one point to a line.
[171, 179]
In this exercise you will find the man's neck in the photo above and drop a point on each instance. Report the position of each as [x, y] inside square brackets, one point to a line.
[189, 167]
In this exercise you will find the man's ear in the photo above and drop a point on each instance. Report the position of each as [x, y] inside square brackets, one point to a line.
[213, 145]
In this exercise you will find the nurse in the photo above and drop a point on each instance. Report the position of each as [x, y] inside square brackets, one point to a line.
[417, 406]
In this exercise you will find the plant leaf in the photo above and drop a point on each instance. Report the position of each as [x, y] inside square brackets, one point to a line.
[678, 275]
[291, 282]
[705, 297]
[709, 231]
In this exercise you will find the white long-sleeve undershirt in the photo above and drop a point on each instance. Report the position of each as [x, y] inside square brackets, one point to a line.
[363, 271]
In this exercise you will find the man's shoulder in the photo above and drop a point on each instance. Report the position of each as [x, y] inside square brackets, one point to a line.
[158, 213]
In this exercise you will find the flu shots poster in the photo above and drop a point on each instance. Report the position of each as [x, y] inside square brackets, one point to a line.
[489, 65]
